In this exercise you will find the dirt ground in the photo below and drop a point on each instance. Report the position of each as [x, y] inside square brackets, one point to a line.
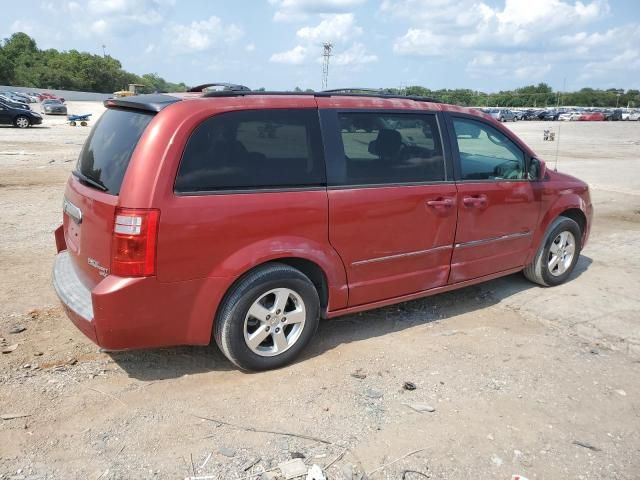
[544, 383]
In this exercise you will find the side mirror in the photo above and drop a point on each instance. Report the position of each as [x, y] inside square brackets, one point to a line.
[537, 169]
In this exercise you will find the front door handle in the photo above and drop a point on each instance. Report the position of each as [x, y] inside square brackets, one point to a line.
[475, 201]
[440, 202]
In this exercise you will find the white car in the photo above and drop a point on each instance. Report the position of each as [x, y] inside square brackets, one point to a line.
[569, 116]
[634, 116]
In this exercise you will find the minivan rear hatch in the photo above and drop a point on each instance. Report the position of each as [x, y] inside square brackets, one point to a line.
[92, 193]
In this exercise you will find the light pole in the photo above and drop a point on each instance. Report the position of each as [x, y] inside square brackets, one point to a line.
[617, 99]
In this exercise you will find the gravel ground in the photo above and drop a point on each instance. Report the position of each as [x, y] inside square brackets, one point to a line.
[521, 380]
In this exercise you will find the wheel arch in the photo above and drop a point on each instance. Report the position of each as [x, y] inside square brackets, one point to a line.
[331, 283]
[570, 206]
[577, 216]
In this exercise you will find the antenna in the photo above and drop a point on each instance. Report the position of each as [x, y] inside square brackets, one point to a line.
[564, 88]
[326, 54]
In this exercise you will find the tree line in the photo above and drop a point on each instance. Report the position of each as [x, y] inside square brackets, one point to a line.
[23, 64]
[541, 95]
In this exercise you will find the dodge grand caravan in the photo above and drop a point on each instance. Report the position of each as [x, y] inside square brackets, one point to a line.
[245, 217]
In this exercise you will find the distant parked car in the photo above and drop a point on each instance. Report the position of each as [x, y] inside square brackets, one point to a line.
[53, 107]
[502, 114]
[12, 103]
[530, 115]
[549, 115]
[49, 96]
[613, 115]
[634, 116]
[591, 117]
[19, 117]
[569, 116]
[23, 97]
[11, 97]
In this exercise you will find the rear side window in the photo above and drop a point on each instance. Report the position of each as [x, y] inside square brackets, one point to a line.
[383, 148]
[253, 149]
[107, 151]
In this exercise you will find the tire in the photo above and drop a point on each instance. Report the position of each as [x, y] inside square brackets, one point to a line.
[256, 290]
[22, 122]
[539, 270]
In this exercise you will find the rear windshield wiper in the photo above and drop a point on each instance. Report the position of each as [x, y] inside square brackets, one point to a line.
[94, 183]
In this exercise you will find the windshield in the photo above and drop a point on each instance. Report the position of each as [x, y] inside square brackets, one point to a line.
[106, 153]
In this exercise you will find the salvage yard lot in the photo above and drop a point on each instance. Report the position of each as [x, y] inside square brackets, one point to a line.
[524, 380]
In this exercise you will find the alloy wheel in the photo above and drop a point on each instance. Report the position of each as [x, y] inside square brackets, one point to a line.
[561, 253]
[274, 322]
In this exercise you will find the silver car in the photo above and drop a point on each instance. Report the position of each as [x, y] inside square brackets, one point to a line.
[53, 107]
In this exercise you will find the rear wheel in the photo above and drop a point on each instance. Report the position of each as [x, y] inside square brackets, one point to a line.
[267, 318]
[22, 121]
[557, 256]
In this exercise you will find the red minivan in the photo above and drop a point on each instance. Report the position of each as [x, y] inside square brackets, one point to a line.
[246, 216]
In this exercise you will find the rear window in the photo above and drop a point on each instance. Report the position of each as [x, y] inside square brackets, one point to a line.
[253, 149]
[106, 153]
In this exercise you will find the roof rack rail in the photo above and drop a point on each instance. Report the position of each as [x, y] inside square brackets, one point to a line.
[226, 87]
[354, 90]
[241, 93]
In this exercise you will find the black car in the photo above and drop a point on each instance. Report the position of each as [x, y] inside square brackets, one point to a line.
[613, 115]
[548, 115]
[18, 117]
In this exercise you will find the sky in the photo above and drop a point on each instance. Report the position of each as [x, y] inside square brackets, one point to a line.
[486, 45]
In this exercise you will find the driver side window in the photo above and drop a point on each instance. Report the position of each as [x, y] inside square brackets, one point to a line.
[486, 153]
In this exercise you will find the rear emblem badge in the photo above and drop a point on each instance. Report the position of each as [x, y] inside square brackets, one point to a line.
[103, 271]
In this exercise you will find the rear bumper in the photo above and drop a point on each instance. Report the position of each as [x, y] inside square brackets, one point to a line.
[75, 297]
[131, 313]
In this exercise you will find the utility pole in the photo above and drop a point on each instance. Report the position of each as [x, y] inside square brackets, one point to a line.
[104, 51]
[326, 54]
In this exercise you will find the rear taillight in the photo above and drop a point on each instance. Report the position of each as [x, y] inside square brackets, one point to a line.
[133, 250]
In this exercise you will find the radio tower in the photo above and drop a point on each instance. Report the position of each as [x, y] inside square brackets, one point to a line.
[326, 54]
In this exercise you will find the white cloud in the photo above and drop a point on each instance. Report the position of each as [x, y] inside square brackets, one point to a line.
[526, 66]
[23, 26]
[333, 28]
[421, 42]
[203, 35]
[295, 56]
[99, 27]
[298, 10]
[469, 24]
[624, 62]
[357, 54]
[339, 29]
[250, 48]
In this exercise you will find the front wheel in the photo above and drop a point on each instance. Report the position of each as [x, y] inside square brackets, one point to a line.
[267, 318]
[22, 122]
[557, 256]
